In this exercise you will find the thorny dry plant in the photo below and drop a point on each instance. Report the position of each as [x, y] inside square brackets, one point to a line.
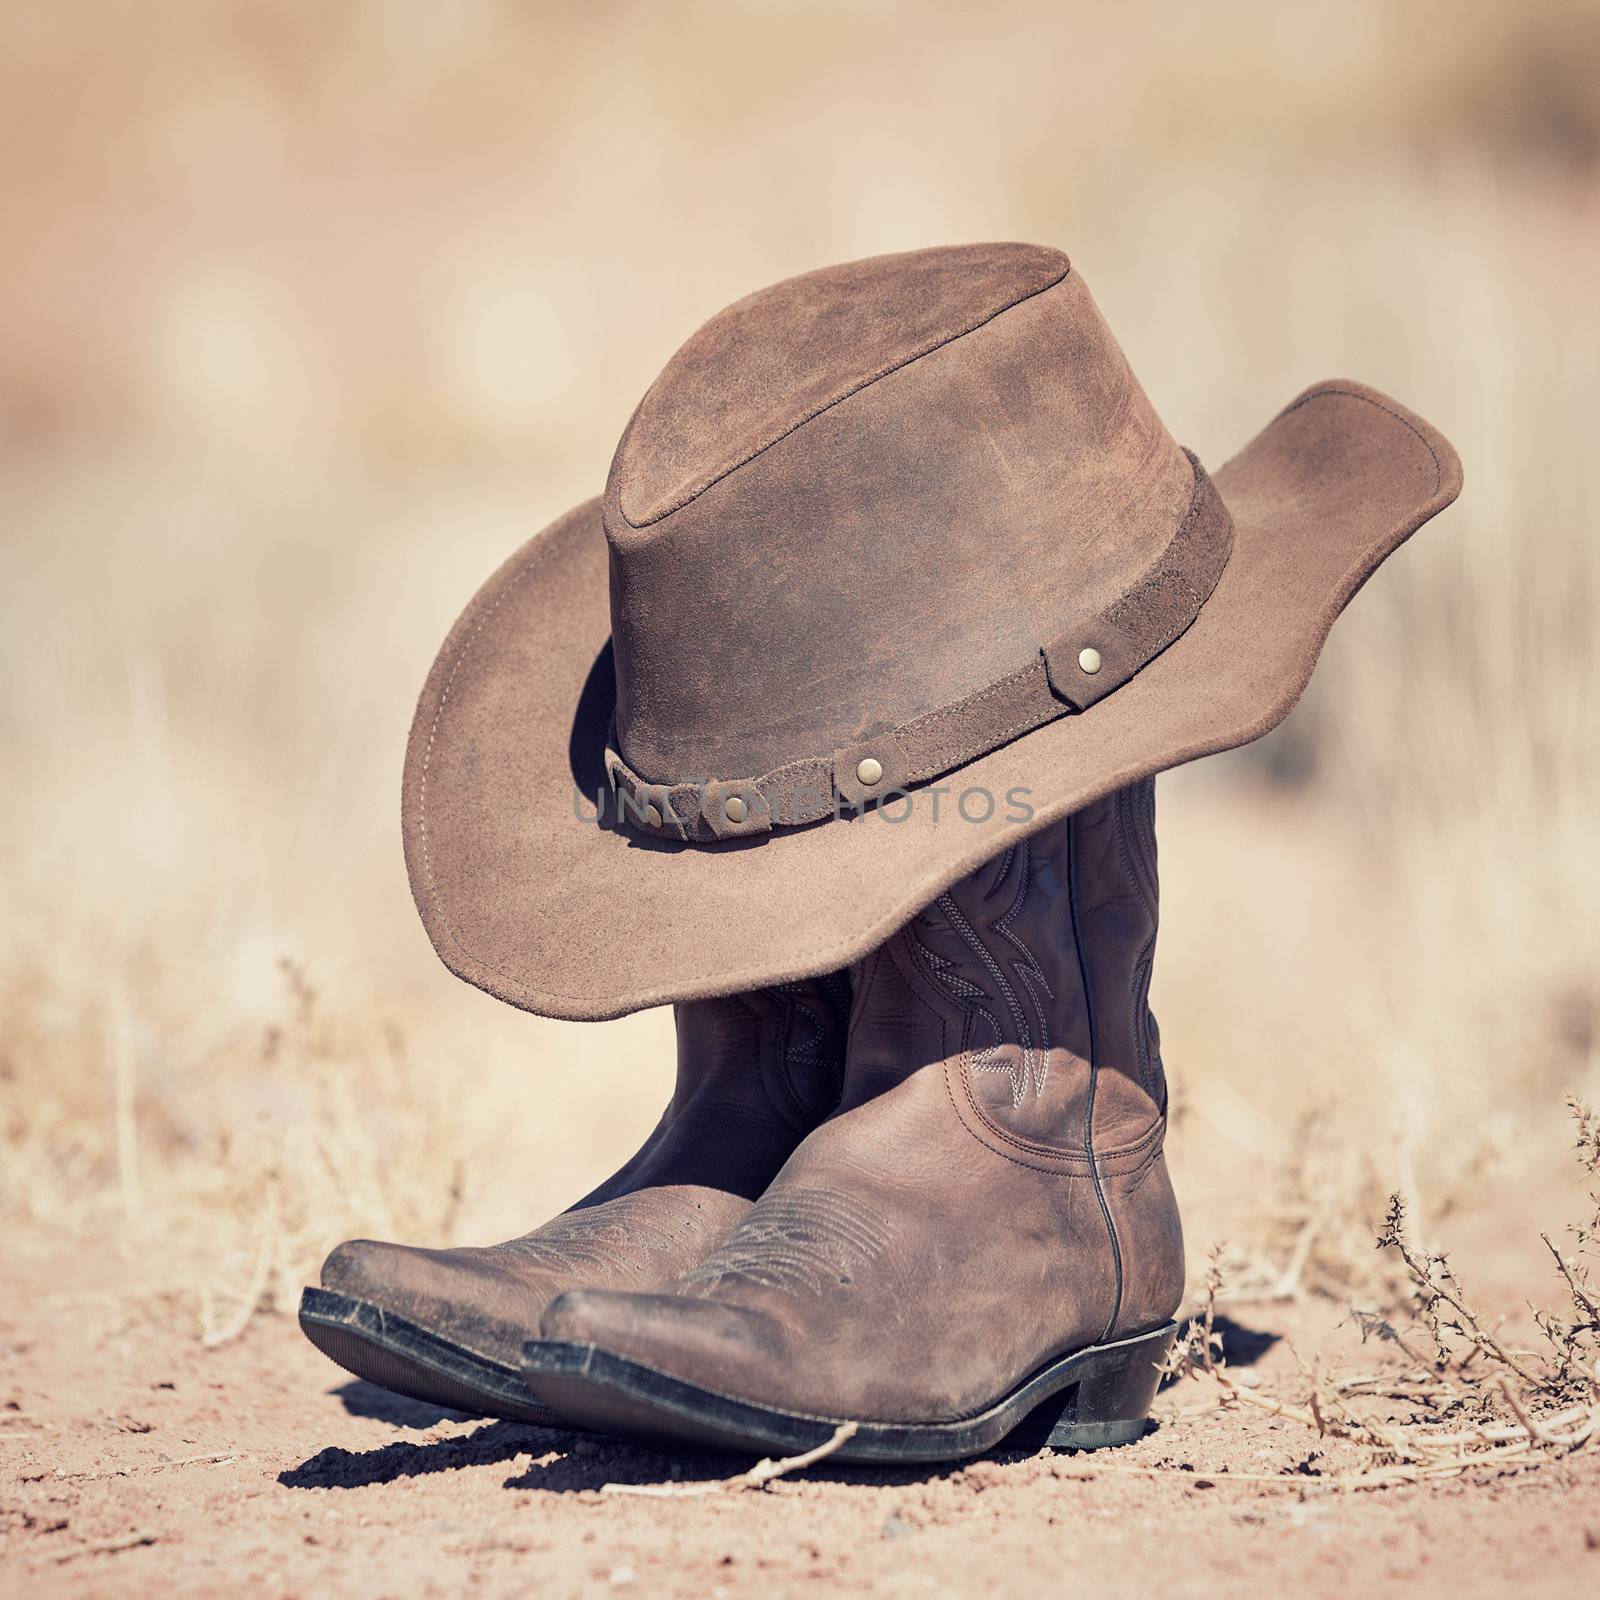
[1475, 1402]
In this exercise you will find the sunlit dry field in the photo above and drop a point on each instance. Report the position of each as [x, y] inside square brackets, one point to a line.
[313, 313]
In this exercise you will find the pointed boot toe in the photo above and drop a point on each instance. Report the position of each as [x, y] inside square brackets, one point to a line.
[672, 1334]
[366, 1269]
[440, 1326]
[467, 1296]
[600, 1353]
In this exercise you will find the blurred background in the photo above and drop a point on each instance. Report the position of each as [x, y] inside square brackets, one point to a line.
[312, 312]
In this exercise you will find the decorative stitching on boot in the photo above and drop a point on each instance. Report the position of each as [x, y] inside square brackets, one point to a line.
[1028, 970]
[805, 1053]
[1034, 1066]
[1058, 1163]
[620, 1235]
[808, 1241]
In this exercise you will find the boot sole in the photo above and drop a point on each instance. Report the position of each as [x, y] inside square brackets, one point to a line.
[401, 1355]
[1095, 1397]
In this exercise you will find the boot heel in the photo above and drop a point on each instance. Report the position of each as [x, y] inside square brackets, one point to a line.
[1111, 1403]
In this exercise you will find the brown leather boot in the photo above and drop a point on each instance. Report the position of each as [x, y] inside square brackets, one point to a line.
[983, 1236]
[756, 1073]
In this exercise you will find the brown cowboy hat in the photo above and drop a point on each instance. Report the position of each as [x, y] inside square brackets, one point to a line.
[896, 564]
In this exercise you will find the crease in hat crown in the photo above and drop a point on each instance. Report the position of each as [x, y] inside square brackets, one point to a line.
[862, 499]
[802, 346]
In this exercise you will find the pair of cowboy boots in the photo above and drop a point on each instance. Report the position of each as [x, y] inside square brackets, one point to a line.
[928, 1199]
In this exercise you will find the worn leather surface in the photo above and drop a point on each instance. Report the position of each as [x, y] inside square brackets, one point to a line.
[842, 544]
[755, 1074]
[915, 541]
[1095, 654]
[776, 358]
[991, 1191]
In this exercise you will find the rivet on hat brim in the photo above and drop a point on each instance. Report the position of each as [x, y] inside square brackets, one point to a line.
[734, 809]
[869, 770]
[1089, 659]
[652, 816]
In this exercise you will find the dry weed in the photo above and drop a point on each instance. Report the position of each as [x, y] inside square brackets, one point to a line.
[1455, 1396]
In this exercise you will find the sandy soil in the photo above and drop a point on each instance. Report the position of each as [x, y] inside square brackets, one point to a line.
[137, 1462]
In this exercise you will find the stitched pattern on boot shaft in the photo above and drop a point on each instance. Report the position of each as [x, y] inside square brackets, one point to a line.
[798, 1040]
[1027, 969]
[812, 1054]
[1030, 1068]
[994, 956]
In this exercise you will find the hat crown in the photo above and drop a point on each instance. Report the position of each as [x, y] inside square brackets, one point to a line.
[764, 365]
[861, 494]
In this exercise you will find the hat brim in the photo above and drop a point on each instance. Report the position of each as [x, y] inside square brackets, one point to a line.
[525, 898]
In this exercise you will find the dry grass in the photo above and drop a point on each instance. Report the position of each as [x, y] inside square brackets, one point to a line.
[326, 310]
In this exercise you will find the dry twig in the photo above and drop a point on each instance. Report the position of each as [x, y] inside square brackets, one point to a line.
[758, 1477]
[106, 1547]
[218, 1458]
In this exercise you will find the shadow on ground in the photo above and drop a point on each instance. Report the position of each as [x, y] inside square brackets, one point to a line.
[1241, 1346]
[338, 1468]
[363, 1399]
[563, 1462]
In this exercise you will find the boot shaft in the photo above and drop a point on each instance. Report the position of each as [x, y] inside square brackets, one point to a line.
[755, 1073]
[781, 1048]
[1036, 970]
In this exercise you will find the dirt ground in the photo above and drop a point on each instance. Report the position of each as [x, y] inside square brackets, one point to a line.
[139, 1462]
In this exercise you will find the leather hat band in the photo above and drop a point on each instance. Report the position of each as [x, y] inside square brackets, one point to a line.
[1095, 653]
